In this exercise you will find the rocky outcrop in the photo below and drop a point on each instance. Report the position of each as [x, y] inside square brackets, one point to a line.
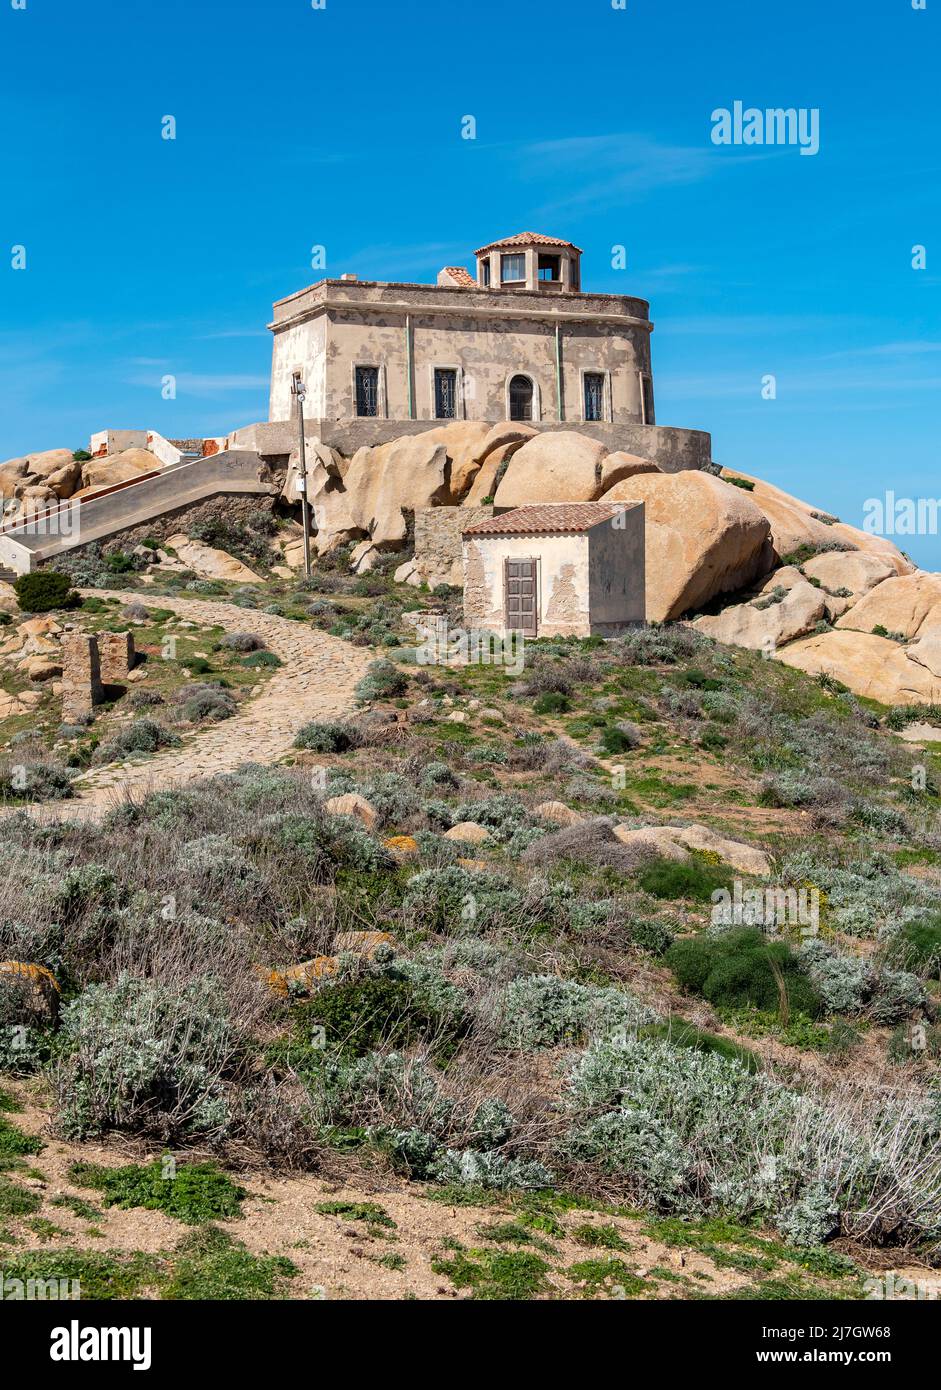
[210, 563]
[849, 569]
[118, 468]
[795, 524]
[557, 466]
[675, 841]
[704, 538]
[868, 665]
[784, 608]
[907, 604]
[616, 467]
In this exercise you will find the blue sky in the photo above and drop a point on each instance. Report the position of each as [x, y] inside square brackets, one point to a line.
[342, 127]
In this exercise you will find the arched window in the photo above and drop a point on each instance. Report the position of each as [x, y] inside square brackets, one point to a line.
[521, 398]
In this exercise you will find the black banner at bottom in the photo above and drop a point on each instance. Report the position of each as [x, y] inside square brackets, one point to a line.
[163, 1339]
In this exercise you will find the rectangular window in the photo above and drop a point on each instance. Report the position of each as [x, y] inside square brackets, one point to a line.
[647, 388]
[367, 390]
[594, 395]
[549, 268]
[485, 272]
[445, 393]
[512, 269]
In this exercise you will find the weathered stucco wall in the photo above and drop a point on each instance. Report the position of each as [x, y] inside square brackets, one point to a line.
[299, 348]
[562, 582]
[616, 575]
[489, 335]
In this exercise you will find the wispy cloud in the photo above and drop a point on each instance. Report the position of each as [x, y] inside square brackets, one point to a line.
[603, 170]
[392, 259]
[198, 383]
[913, 348]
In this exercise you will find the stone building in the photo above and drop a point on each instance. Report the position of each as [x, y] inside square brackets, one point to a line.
[567, 569]
[520, 340]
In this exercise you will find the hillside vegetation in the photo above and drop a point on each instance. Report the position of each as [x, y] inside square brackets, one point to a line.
[466, 1026]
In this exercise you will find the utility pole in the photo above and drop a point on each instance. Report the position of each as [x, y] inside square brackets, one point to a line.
[300, 392]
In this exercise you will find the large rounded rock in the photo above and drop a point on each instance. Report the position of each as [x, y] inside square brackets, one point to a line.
[118, 468]
[703, 538]
[463, 441]
[558, 466]
[849, 569]
[51, 461]
[210, 563]
[768, 620]
[867, 665]
[796, 524]
[12, 474]
[620, 465]
[504, 439]
[909, 604]
[384, 482]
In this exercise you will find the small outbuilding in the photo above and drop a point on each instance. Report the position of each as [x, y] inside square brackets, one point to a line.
[564, 569]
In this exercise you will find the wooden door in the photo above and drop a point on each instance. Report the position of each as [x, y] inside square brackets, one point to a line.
[519, 588]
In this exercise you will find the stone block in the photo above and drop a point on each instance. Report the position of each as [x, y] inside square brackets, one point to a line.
[81, 675]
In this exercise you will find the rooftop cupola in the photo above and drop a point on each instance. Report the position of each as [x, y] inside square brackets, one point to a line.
[529, 261]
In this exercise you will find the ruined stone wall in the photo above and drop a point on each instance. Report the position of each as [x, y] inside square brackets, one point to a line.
[438, 533]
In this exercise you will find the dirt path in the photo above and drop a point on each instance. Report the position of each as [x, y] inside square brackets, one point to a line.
[316, 682]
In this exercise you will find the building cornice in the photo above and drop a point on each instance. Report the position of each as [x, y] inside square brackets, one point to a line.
[462, 308]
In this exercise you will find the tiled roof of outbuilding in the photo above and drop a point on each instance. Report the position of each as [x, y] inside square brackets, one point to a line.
[461, 276]
[548, 518]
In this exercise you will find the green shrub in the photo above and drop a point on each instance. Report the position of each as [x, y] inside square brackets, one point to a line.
[14, 1144]
[917, 946]
[261, 659]
[192, 1192]
[496, 1275]
[243, 642]
[741, 967]
[327, 738]
[37, 781]
[551, 702]
[143, 736]
[210, 1265]
[146, 1058]
[99, 1274]
[16, 1200]
[617, 740]
[42, 590]
[543, 1011]
[361, 1014]
[694, 879]
[680, 1034]
[382, 681]
[206, 703]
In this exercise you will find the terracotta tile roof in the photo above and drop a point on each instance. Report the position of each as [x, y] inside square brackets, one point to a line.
[549, 518]
[461, 276]
[529, 239]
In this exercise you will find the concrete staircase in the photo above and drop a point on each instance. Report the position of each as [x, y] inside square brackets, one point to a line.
[234, 471]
